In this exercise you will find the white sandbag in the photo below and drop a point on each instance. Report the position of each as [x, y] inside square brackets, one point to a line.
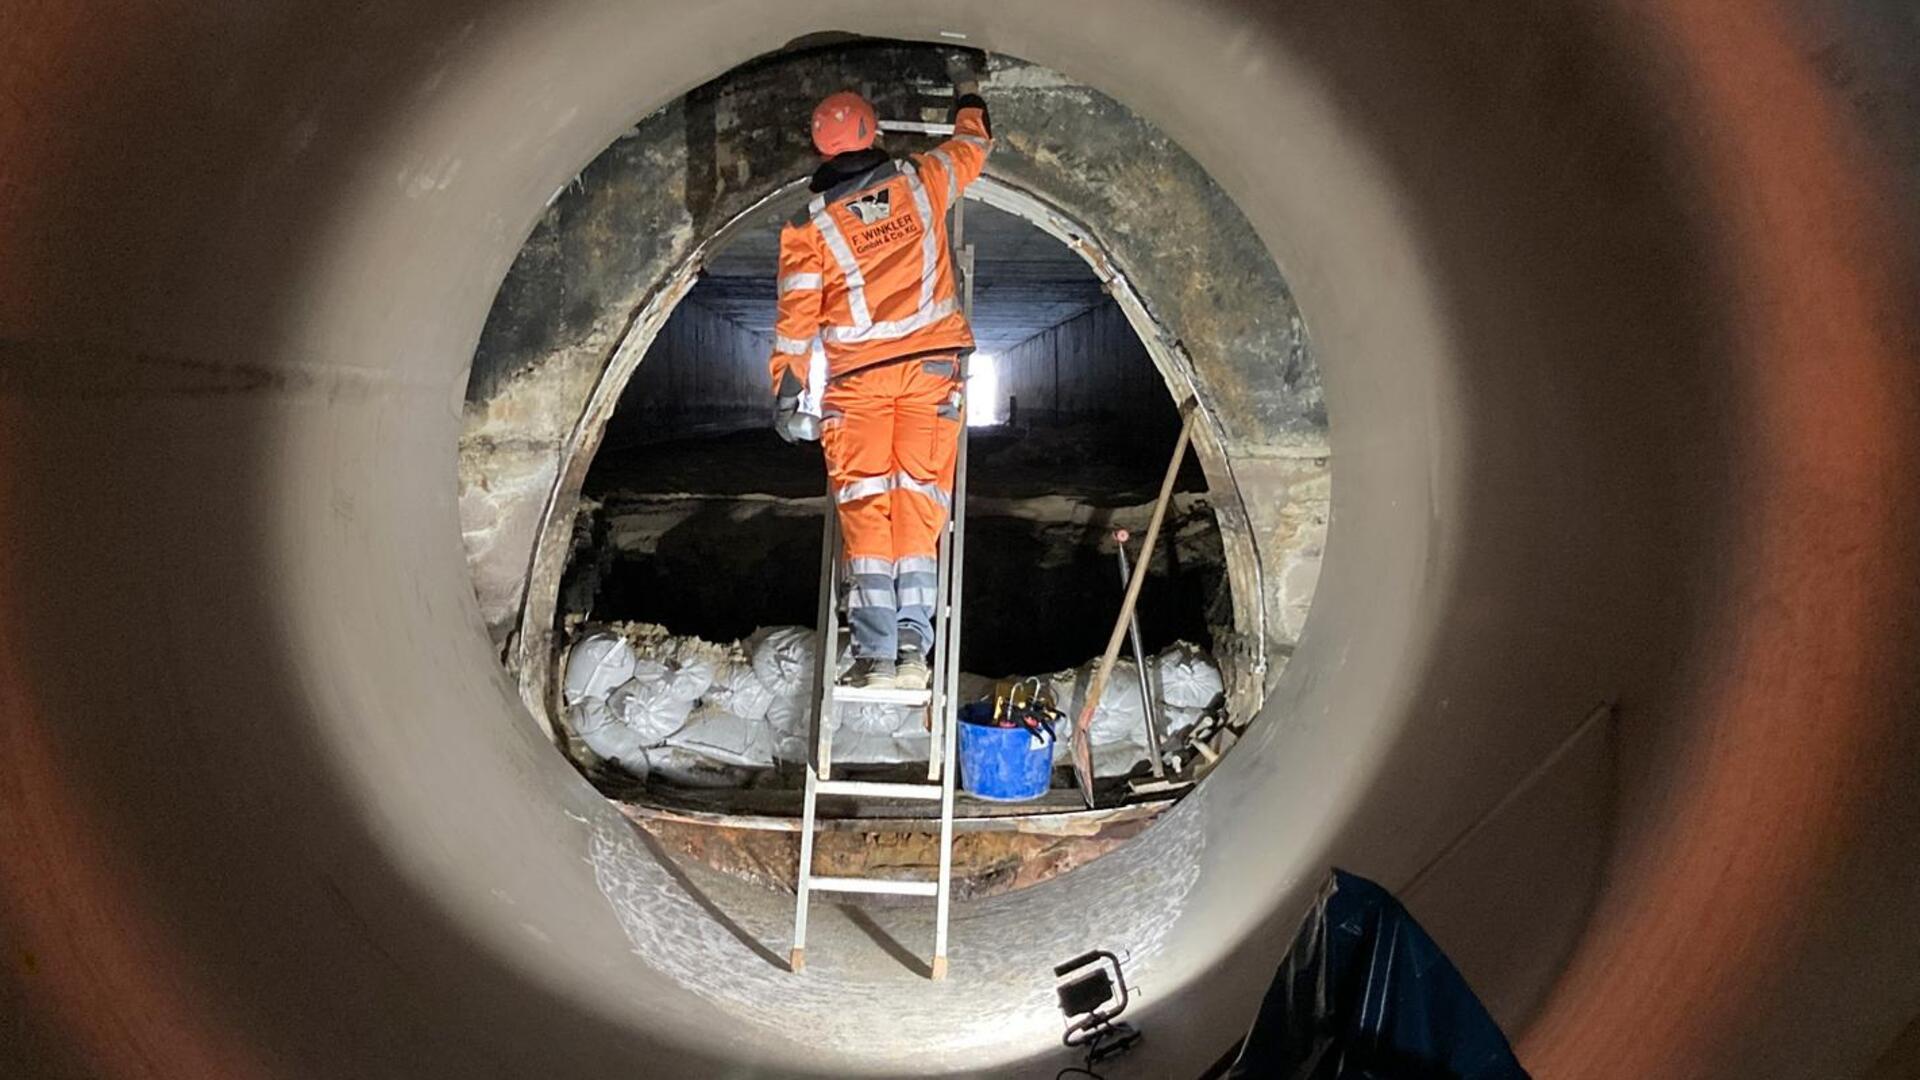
[788, 715]
[597, 663]
[873, 719]
[739, 691]
[851, 747]
[682, 681]
[783, 658]
[726, 738]
[1185, 677]
[856, 748]
[1117, 759]
[618, 743]
[1109, 758]
[648, 703]
[589, 716]
[1121, 715]
[1176, 721]
[1069, 689]
[866, 734]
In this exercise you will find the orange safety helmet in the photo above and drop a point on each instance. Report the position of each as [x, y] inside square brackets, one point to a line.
[843, 122]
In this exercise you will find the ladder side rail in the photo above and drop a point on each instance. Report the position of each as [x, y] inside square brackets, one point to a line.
[818, 730]
[943, 710]
[803, 881]
[827, 646]
[943, 897]
[940, 708]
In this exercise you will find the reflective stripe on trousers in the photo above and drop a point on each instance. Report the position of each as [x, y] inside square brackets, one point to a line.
[891, 455]
[865, 487]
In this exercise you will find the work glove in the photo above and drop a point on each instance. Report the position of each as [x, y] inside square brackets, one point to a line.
[788, 421]
[793, 425]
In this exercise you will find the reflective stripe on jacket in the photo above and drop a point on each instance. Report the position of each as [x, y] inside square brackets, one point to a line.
[868, 273]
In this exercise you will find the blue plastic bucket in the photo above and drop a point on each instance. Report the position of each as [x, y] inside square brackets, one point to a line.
[1003, 764]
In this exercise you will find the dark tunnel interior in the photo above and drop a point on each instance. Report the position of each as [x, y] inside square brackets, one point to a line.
[706, 523]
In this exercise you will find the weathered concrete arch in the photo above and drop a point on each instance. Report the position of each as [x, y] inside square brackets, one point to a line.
[1614, 306]
[618, 249]
[533, 642]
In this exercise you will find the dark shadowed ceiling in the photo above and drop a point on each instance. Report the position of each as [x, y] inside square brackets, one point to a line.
[1027, 281]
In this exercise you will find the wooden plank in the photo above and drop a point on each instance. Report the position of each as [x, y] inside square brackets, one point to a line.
[865, 815]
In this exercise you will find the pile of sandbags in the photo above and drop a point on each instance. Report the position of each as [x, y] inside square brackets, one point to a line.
[702, 713]
[599, 663]
[659, 697]
[691, 710]
[784, 658]
[726, 738]
[625, 699]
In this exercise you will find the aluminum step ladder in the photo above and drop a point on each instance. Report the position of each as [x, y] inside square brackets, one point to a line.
[940, 702]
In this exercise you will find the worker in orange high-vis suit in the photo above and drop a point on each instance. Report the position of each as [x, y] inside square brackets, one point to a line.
[867, 274]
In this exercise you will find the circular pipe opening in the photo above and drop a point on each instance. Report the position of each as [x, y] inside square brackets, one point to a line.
[1576, 466]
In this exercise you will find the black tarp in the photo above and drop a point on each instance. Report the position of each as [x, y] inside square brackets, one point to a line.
[1365, 994]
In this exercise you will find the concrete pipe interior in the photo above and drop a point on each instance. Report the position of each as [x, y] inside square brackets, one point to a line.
[1609, 671]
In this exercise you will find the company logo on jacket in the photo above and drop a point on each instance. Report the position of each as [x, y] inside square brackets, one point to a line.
[883, 228]
[874, 208]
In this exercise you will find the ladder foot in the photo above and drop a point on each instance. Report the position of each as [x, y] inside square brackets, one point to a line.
[939, 968]
[797, 961]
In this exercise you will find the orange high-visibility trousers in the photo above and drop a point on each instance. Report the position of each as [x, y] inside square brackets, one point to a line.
[891, 434]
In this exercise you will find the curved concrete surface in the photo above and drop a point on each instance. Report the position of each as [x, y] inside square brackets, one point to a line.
[1615, 313]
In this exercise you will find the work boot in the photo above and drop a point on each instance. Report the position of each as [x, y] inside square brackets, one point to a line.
[870, 674]
[911, 671]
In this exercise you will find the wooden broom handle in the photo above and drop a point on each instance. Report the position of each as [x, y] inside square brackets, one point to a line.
[1138, 577]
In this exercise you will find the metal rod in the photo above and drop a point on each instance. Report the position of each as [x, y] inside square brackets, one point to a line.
[1149, 702]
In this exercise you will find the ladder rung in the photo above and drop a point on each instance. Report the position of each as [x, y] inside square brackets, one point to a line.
[878, 790]
[867, 695]
[918, 127]
[874, 885]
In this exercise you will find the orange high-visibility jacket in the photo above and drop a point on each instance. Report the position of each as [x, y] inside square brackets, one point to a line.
[868, 272]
